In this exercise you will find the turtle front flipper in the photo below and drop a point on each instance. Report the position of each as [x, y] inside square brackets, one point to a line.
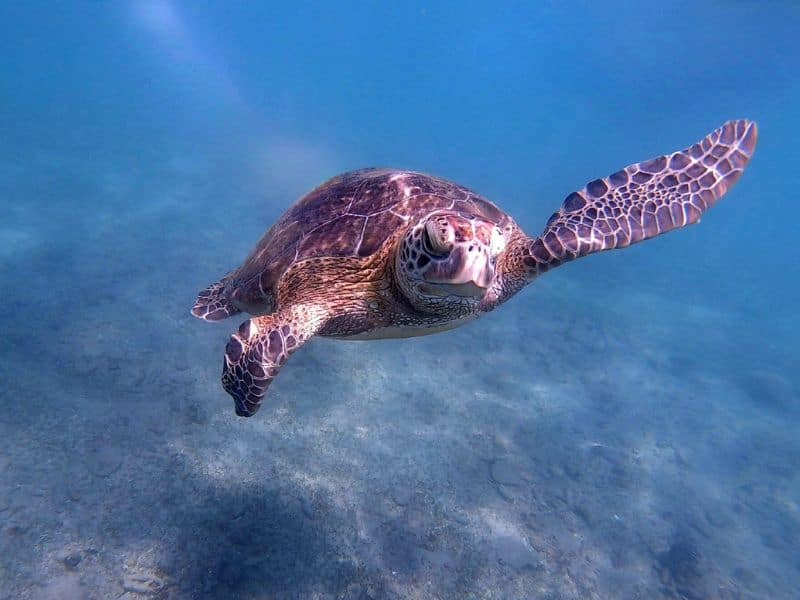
[645, 199]
[213, 304]
[257, 351]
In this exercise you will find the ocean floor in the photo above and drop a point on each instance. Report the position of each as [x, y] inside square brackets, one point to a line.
[586, 440]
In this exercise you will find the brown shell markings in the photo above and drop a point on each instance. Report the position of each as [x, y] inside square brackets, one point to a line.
[354, 214]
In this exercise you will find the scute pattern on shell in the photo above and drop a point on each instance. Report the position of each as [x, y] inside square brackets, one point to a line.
[354, 214]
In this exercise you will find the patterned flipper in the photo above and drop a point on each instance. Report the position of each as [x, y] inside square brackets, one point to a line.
[645, 199]
[257, 351]
[213, 305]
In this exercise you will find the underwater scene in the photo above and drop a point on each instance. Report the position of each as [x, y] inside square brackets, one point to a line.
[625, 426]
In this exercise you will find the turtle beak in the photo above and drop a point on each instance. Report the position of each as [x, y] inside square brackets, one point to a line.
[463, 273]
[462, 290]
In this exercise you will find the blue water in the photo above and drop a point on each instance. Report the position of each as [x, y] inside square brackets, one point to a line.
[624, 428]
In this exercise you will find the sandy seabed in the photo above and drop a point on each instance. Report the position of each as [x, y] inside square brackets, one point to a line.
[581, 442]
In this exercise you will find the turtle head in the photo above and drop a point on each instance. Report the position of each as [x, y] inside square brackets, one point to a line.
[448, 256]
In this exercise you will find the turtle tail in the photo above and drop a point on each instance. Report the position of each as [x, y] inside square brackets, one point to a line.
[212, 303]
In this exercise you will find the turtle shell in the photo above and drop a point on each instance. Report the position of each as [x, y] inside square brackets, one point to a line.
[354, 215]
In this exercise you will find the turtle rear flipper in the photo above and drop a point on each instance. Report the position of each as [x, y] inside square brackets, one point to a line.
[212, 303]
[645, 199]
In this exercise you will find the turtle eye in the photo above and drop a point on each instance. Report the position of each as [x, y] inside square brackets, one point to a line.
[434, 239]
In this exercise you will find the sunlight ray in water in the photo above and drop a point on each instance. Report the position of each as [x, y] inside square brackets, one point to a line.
[173, 40]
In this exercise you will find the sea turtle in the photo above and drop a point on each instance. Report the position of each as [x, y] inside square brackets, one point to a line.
[382, 253]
